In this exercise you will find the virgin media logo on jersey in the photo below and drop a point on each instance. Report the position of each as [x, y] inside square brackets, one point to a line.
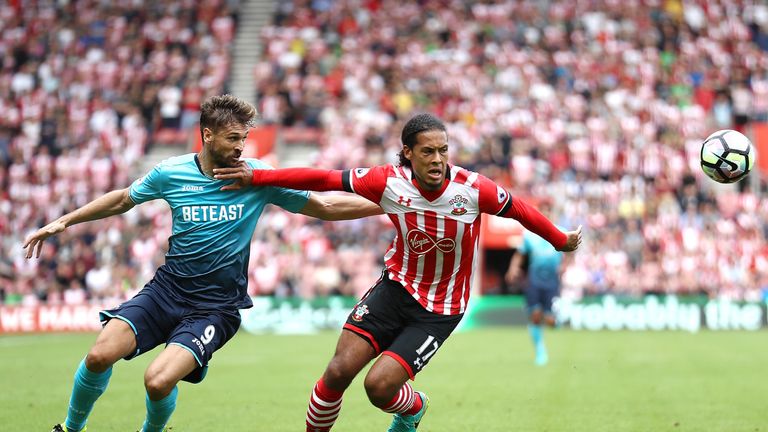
[420, 243]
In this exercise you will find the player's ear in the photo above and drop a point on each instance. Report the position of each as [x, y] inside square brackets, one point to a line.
[207, 135]
[407, 152]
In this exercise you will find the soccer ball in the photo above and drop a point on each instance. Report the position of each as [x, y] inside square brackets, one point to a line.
[727, 156]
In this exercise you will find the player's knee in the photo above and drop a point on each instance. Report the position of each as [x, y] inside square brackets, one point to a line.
[536, 317]
[158, 384]
[549, 320]
[380, 389]
[336, 375]
[99, 359]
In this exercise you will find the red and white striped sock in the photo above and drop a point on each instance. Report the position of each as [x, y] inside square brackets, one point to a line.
[324, 407]
[406, 401]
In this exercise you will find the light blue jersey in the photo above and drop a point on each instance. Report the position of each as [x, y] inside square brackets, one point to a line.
[543, 261]
[210, 245]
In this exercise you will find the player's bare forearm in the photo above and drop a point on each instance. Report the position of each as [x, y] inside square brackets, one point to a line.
[515, 267]
[109, 204]
[339, 207]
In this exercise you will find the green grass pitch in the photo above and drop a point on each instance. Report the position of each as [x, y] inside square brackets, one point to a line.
[482, 380]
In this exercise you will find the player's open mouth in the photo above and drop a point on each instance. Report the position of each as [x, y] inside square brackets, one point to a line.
[436, 174]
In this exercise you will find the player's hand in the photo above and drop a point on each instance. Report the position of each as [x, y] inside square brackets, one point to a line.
[34, 242]
[574, 240]
[512, 274]
[242, 175]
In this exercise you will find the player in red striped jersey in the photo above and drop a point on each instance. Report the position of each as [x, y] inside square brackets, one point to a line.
[424, 288]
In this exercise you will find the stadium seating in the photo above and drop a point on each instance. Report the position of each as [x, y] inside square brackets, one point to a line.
[601, 105]
[85, 88]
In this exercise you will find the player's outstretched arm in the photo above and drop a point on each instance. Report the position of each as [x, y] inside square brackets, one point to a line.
[537, 223]
[339, 207]
[312, 179]
[109, 204]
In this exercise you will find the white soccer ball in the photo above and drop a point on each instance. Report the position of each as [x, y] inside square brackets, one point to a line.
[727, 156]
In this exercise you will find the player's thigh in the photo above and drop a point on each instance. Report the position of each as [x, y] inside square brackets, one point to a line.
[417, 344]
[151, 316]
[352, 354]
[386, 376]
[377, 318]
[547, 297]
[202, 334]
[173, 364]
[116, 340]
[532, 298]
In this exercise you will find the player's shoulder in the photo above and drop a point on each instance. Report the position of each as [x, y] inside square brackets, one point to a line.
[257, 163]
[466, 177]
[173, 165]
[378, 171]
[175, 161]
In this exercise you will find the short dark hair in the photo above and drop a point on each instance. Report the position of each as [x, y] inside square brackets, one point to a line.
[220, 111]
[419, 123]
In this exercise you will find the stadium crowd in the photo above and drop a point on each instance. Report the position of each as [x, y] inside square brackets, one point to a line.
[85, 88]
[598, 106]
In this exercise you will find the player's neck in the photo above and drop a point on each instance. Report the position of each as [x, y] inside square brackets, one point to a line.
[429, 192]
[206, 164]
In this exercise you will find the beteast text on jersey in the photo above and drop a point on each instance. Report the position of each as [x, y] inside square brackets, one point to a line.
[213, 213]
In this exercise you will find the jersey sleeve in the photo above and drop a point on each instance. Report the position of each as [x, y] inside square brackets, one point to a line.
[148, 187]
[493, 199]
[369, 183]
[288, 199]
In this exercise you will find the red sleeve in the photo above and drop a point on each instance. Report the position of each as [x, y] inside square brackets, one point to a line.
[300, 178]
[369, 183]
[497, 201]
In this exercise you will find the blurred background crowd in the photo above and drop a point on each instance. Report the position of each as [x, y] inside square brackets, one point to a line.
[598, 106]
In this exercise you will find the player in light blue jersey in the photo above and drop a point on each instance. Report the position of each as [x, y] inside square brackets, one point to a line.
[191, 305]
[544, 265]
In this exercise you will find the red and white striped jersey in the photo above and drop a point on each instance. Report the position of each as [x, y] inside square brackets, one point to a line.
[433, 254]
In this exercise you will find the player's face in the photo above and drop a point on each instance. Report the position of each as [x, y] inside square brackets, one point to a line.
[429, 158]
[225, 146]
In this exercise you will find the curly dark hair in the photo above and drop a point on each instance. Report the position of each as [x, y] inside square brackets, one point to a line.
[419, 123]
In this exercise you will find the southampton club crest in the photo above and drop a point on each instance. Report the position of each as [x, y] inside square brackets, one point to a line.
[360, 312]
[459, 204]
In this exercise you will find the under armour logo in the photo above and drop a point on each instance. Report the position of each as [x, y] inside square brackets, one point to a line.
[420, 243]
[418, 363]
[403, 201]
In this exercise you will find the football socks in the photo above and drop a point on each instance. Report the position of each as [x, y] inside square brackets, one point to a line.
[324, 407]
[158, 412]
[87, 388]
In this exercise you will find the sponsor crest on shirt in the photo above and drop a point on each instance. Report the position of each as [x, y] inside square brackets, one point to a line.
[501, 194]
[459, 204]
[360, 312]
[361, 172]
[420, 243]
